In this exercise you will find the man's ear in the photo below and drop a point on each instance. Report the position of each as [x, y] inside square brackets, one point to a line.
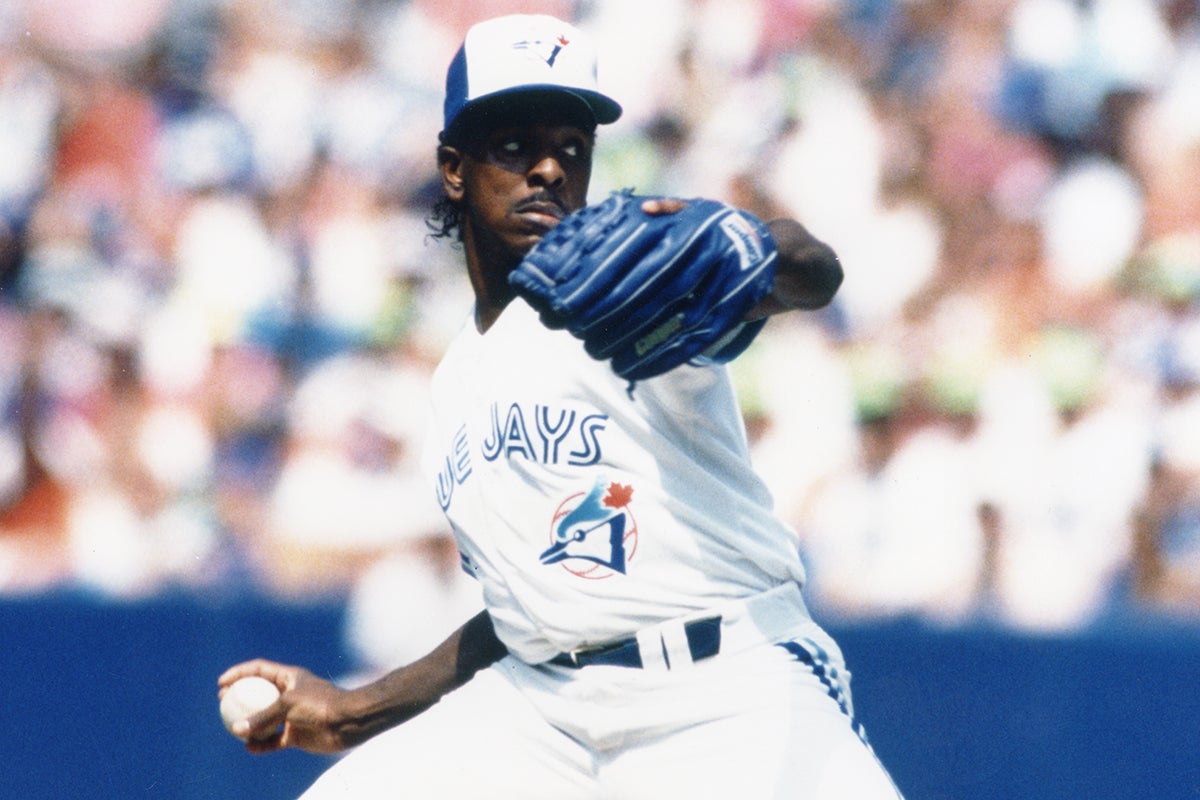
[450, 163]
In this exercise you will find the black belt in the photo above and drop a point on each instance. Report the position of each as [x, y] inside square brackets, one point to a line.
[703, 638]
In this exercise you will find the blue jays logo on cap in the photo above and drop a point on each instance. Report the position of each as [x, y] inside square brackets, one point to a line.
[546, 51]
[525, 52]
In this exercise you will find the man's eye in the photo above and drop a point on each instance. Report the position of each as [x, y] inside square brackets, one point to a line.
[573, 149]
[512, 146]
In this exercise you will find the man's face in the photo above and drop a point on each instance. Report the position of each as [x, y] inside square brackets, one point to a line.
[517, 181]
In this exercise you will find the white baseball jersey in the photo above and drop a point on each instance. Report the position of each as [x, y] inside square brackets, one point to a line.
[590, 515]
[589, 509]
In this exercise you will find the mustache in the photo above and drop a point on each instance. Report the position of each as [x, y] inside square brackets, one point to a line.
[540, 200]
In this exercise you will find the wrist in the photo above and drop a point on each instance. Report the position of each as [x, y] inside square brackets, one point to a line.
[358, 714]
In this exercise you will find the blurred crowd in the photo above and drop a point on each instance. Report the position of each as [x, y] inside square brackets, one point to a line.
[220, 303]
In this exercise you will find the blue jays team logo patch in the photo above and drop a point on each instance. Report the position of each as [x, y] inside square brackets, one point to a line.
[594, 535]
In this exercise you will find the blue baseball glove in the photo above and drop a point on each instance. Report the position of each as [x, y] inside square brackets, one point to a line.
[651, 292]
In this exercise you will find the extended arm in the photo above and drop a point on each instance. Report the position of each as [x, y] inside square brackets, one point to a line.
[315, 715]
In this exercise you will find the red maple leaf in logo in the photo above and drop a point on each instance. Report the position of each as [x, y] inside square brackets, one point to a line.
[563, 40]
[618, 495]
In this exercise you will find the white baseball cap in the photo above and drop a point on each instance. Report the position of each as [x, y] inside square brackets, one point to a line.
[524, 53]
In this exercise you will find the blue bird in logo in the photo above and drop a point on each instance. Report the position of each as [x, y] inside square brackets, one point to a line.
[593, 531]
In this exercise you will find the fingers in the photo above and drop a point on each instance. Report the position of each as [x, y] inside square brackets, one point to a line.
[266, 744]
[262, 732]
[658, 206]
[303, 716]
[281, 675]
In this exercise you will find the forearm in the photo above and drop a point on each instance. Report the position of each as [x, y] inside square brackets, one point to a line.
[807, 271]
[405, 692]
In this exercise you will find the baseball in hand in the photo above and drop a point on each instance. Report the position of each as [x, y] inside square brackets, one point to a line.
[246, 697]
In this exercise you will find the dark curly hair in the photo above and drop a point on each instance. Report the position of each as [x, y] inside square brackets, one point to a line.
[445, 219]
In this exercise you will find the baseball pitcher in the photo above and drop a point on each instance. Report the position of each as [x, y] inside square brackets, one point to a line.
[645, 632]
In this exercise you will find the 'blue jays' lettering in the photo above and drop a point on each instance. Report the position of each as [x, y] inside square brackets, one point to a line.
[456, 469]
[558, 435]
[541, 434]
